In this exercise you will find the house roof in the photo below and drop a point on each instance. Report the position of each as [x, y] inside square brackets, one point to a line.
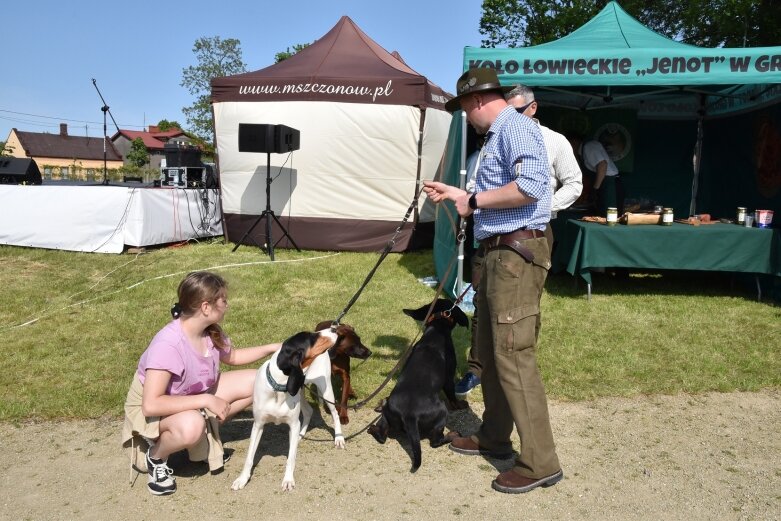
[39, 144]
[153, 140]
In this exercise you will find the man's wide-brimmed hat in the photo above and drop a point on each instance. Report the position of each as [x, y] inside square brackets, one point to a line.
[474, 80]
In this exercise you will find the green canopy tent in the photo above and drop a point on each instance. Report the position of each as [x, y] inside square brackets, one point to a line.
[673, 94]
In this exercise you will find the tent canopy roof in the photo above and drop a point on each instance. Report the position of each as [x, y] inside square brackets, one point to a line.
[344, 65]
[613, 58]
[615, 49]
[613, 28]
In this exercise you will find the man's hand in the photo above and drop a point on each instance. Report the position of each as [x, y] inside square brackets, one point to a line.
[439, 192]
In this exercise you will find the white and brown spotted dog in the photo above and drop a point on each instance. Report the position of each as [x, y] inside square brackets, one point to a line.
[277, 398]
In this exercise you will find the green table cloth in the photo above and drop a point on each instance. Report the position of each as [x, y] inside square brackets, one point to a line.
[710, 247]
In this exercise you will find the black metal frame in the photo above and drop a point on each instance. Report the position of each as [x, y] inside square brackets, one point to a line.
[268, 214]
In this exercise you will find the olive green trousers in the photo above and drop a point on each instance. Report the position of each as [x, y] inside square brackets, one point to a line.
[508, 308]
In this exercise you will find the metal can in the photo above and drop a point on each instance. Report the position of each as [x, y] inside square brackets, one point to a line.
[741, 215]
[667, 217]
[612, 216]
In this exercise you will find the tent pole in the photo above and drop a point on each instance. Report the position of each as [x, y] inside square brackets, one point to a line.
[697, 156]
[418, 180]
[461, 185]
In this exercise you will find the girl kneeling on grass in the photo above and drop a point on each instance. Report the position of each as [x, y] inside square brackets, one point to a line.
[178, 396]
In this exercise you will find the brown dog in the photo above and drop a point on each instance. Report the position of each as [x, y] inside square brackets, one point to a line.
[348, 344]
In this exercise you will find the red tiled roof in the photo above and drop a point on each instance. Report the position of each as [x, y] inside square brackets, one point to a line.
[152, 140]
[38, 144]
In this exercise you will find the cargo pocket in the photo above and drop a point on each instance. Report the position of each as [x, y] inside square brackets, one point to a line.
[516, 329]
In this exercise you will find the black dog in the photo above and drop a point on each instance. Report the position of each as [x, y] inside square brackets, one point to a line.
[414, 405]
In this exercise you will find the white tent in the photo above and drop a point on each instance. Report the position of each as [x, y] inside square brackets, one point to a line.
[371, 129]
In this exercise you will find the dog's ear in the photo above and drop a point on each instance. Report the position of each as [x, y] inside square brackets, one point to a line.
[460, 317]
[417, 314]
[295, 380]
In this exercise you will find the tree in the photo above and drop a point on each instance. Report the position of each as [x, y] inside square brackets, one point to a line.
[5, 150]
[706, 23]
[165, 125]
[216, 57]
[138, 155]
[284, 55]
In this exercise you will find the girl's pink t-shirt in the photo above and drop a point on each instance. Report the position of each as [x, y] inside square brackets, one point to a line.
[170, 351]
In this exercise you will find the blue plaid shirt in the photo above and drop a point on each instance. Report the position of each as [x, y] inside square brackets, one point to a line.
[513, 152]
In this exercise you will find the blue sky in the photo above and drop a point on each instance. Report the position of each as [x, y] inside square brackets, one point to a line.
[136, 51]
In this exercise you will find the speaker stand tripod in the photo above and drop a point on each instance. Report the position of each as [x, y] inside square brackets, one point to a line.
[268, 214]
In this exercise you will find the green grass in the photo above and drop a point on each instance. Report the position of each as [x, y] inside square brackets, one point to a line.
[91, 316]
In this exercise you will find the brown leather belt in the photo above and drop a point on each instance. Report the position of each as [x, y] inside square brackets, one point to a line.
[513, 240]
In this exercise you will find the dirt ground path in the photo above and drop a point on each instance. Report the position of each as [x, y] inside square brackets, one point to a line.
[714, 456]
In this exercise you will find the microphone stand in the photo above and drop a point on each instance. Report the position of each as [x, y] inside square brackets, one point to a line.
[105, 109]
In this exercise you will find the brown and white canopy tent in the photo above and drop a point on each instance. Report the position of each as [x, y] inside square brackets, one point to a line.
[371, 129]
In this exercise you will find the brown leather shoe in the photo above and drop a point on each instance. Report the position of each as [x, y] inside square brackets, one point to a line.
[511, 482]
[466, 445]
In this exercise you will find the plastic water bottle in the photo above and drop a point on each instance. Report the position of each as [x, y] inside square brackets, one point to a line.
[467, 303]
[431, 282]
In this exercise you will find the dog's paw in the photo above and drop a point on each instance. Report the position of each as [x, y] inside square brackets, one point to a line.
[339, 442]
[240, 482]
[288, 485]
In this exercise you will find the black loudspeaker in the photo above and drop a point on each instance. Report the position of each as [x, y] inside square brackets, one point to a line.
[179, 155]
[286, 139]
[276, 139]
[256, 138]
[19, 170]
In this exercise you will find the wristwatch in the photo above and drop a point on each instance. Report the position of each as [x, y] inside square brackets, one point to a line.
[473, 201]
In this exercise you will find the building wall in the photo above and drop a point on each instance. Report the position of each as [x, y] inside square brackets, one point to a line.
[13, 143]
[80, 169]
[155, 158]
[122, 146]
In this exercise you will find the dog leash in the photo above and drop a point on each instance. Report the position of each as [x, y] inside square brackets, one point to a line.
[351, 436]
[407, 352]
[403, 357]
[391, 243]
[460, 237]
[460, 297]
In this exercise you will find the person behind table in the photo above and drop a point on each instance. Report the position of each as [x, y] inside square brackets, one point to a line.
[606, 179]
[511, 208]
[566, 183]
[178, 380]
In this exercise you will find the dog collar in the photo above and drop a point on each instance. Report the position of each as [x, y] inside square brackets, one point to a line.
[273, 383]
[444, 315]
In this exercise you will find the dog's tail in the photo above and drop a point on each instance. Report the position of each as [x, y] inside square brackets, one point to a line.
[413, 434]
